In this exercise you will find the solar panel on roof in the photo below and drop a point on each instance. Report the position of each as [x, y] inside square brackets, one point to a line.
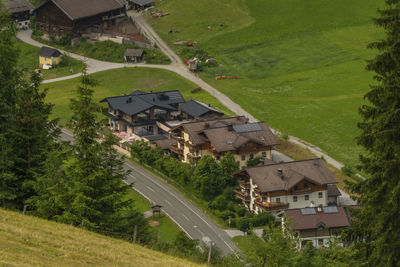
[330, 209]
[308, 211]
[246, 128]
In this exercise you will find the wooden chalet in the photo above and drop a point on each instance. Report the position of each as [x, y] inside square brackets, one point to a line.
[74, 17]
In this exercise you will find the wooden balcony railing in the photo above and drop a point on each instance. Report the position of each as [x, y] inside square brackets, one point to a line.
[241, 195]
[244, 184]
[176, 150]
[268, 206]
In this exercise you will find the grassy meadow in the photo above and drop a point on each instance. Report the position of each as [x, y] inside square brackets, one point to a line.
[29, 60]
[302, 63]
[124, 81]
[30, 241]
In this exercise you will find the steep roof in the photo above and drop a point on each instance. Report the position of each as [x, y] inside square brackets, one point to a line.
[230, 138]
[283, 176]
[133, 52]
[311, 218]
[139, 101]
[14, 6]
[48, 52]
[197, 109]
[78, 9]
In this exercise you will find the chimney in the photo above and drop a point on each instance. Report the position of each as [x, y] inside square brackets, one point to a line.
[280, 173]
[154, 99]
[130, 99]
[319, 209]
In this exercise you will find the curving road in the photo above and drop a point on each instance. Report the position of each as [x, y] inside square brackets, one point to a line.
[190, 219]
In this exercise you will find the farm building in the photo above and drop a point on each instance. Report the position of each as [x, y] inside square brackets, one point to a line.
[141, 4]
[48, 57]
[57, 17]
[134, 55]
[20, 11]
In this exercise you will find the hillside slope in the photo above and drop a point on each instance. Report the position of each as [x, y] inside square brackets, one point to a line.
[29, 241]
[301, 63]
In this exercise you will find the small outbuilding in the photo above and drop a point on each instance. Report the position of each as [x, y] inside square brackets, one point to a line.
[141, 4]
[134, 55]
[48, 57]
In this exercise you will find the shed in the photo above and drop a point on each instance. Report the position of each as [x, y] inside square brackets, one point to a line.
[141, 4]
[134, 55]
[48, 56]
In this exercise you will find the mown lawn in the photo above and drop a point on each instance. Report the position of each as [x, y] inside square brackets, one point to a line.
[124, 81]
[29, 60]
[302, 63]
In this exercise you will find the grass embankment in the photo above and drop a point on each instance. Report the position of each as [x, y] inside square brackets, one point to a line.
[302, 63]
[29, 60]
[30, 241]
[125, 81]
[108, 51]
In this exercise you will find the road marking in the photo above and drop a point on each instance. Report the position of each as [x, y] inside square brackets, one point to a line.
[185, 217]
[169, 203]
[202, 234]
[151, 189]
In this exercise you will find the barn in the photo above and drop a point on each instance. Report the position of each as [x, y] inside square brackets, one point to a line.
[74, 17]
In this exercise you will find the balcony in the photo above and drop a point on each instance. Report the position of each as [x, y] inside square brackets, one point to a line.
[176, 150]
[179, 139]
[241, 195]
[269, 206]
[193, 156]
[244, 184]
[302, 191]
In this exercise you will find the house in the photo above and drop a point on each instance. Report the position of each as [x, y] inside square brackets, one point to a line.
[141, 4]
[48, 57]
[318, 225]
[218, 136]
[287, 185]
[74, 17]
[194, 109]
[20, 12]
[142, 115]
[134, 55]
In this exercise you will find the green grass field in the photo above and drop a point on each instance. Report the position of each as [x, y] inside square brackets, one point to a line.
[124, 81]
[30, 241]
[302, 63]
[29, 60]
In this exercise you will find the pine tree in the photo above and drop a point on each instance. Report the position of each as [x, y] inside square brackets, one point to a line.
[9, 83]
[377, 223]
[34, 133]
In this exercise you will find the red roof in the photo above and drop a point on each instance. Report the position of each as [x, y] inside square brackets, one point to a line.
[300, 221]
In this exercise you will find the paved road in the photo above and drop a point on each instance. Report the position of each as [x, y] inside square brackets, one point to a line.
[195, 223]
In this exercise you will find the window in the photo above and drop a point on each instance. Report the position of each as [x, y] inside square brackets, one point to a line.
[295, 199]
[278, 200]
[306, 197]
[264, 154]
[243, 157]
[251, 156]
[320, 194]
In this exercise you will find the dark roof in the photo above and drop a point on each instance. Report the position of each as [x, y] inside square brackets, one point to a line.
[78, 9]
[227, 139]
[197, 109]
[329, 217]
[142, 2]
[285, 175]
[14, 6]
[133, 52]
[48, 52]
[139, 101]
[333, 191]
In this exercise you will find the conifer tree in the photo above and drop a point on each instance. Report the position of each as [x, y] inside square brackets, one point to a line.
[34, 133]
[9, 83]
[377, 223]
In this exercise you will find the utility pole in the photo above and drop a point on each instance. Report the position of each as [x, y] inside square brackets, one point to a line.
[134, 234]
